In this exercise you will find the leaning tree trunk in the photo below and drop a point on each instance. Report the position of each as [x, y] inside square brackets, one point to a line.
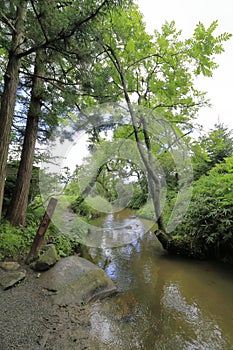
[17, 209]
[11, 81]
[153, 179]
[154, 185]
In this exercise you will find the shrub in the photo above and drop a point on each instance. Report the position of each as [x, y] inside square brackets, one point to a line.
[209, 219]
[64, 245]
[15, 242]
[82, 208]
[147, 211]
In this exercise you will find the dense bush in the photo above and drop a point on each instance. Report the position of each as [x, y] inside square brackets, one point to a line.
[139, 199]
[147, 211]
[64, 244]
[15, 242]
[88, 209]
[209, 219]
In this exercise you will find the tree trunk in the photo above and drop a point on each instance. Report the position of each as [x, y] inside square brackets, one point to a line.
[17, 209]
[153, 185]
[153, 179]
[11, 81]
[39, 237]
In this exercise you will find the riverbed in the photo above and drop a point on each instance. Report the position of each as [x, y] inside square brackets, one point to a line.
[164, 302]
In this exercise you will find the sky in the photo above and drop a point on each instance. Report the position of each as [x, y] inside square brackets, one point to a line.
[186, 14]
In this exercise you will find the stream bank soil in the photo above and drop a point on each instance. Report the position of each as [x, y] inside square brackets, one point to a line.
[28, 320]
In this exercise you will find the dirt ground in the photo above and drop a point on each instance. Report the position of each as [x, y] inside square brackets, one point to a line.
[28, 320]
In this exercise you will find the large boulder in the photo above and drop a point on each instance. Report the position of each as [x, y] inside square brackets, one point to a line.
[46, 258]
[75, 280]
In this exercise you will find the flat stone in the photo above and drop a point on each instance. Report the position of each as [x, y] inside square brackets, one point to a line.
[9, 265]
[10, 278]
[76, 280]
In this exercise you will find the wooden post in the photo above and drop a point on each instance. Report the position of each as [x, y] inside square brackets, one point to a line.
[39, 237]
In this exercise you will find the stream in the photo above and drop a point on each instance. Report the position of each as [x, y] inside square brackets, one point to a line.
[164, 302]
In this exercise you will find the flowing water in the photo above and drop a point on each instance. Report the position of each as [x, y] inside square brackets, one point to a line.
[164, 302]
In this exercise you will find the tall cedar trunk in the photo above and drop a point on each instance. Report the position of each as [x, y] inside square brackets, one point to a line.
[11, 81]
[17, 208]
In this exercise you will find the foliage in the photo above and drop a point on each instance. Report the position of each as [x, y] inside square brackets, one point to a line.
[15, 242]
[211, 149]
[108, 177]
[139, 198]
[159, 73]
[64, 244]
[88, 211]
[158, 70]
[10, 184]
[147, 211]
[122, 61]
[208, 222]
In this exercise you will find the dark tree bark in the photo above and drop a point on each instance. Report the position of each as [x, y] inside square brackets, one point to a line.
[39, 237]
[11, 81]
[17, 208]
[16, 53]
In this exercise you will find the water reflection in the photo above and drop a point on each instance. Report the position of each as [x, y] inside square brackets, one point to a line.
[115, 230]
[164, 303]
[187, 324]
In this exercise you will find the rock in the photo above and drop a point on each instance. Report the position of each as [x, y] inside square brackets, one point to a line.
[76, 280]
[47, 258]
[9, 265]
[10, 278]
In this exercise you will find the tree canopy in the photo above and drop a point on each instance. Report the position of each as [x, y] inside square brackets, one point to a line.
[73, 64]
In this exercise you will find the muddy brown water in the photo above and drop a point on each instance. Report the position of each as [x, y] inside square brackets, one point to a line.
[164, 302]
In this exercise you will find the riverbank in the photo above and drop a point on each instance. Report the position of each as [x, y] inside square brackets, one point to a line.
[28, 320]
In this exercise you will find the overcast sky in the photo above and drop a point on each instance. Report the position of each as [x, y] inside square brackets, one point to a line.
[186, 14]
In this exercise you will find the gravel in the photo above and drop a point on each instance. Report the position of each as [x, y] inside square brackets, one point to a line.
[28, 320]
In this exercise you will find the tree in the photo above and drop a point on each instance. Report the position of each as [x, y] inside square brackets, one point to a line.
[51, 26]
[160, 72]
[211, 149]
[17, 208]
[15, 24]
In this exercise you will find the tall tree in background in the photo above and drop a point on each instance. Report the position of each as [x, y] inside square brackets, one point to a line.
[18, 205]
[13, 16]
[211, 149]
[50, 26]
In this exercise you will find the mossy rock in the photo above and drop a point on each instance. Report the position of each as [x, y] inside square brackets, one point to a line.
[47, 257]
[75, 280]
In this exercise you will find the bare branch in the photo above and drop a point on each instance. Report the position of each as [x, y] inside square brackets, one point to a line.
[38, 18]
[7, 21]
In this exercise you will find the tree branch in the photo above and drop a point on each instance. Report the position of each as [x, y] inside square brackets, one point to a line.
[63, 35]
[38, 18]
[7, 21]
